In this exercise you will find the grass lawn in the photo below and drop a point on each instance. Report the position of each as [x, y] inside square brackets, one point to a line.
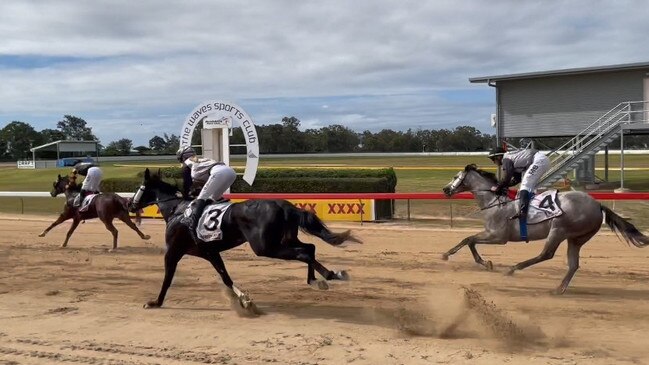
[414, 174]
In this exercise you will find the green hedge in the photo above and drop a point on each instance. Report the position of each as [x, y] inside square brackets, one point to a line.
[388, 173]
[291, 180]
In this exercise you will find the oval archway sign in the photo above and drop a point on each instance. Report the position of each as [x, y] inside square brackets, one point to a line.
[218, 109]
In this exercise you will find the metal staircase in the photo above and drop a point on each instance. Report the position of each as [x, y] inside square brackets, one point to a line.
[592, 139]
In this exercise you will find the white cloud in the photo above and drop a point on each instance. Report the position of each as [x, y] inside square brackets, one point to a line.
[378, 64]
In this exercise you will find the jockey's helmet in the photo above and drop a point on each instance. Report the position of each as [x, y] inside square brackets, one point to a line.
[184, 153]
[495, 152]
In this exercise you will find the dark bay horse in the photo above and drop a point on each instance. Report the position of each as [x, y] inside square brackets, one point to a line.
[269, 226]
[581, 219]
[106, 207]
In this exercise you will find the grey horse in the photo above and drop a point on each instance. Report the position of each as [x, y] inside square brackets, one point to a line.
[581, 219]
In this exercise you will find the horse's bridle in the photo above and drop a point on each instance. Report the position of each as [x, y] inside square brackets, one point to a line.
[140, 191]
[138, 195]
[457, 182]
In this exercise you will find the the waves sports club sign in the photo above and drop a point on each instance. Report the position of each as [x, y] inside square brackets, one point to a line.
[229, 115]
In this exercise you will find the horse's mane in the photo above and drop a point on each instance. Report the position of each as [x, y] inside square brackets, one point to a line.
[71, 184]
[486, 174]
[164, 187]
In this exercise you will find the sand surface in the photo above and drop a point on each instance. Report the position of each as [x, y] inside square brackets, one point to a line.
[404, 305]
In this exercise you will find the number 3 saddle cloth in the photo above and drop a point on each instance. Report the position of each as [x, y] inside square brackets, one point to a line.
[209, 226]
[543, 206]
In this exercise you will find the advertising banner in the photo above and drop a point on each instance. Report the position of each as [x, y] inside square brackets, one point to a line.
[346, 210]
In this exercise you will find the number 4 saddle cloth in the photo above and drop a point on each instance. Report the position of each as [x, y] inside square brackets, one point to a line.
[543, 206]
[209, 226]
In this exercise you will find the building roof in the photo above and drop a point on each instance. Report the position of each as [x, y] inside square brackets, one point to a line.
[564, 72]
[63, 145]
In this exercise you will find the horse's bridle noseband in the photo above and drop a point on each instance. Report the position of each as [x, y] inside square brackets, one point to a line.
[138, 195]
[457, 182]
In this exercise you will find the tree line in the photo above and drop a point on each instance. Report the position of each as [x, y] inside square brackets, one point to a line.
[16, 139]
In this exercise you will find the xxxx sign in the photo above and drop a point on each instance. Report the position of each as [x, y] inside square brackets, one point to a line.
[350, 210]
[345, 208]
[353, 210]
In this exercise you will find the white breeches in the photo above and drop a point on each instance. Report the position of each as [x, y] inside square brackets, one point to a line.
[533, 174]
[92, 180]
[220, 180]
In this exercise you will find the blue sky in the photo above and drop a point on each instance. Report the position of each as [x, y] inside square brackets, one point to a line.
[133, 69]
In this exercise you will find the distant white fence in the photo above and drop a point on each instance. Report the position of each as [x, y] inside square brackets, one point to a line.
[103, 159]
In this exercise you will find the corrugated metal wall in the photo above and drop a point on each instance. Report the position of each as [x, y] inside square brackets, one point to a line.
[563, 105]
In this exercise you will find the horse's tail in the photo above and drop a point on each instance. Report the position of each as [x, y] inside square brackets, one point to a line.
[628, 231]
[310, 223]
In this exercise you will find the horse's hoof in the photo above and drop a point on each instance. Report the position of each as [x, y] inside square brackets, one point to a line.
[248, 308]
[342, 275]
[489, 265]
[112, 249]
[42, 234]
[245, 303]
[510, 272]
[558, 291]
[320, 284]
[146, 237]
[63, 246]
[445, 256]
[152, 304]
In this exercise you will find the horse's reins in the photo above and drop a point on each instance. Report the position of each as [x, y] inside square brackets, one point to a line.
[500, 202]
[140, 192]
[167, 199]
[458, 182]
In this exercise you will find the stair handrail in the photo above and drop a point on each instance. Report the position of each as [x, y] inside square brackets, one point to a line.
[586, 131]
[585, 141]
[577, 144]
[558, 163]
[602, 126]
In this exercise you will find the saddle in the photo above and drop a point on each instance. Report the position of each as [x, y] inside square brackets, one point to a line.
[87, 200]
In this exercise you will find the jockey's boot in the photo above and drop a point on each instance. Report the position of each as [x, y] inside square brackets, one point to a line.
[193, 215]
[524, 196]
[79, 199]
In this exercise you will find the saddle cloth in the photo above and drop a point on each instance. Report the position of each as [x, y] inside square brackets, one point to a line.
[543, 206]
[209, 225]
[87, 200]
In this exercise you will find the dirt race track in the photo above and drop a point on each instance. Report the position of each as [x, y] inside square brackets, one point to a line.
[83, 304]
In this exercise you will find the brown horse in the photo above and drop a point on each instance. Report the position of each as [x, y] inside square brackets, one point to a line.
[106, 207]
